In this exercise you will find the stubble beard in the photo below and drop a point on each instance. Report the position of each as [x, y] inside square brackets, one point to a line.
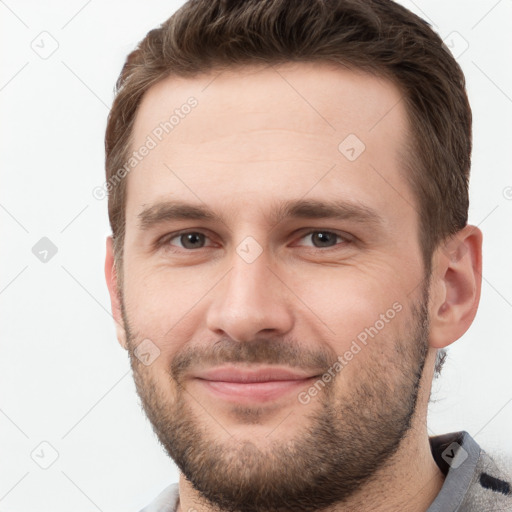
[341, 441]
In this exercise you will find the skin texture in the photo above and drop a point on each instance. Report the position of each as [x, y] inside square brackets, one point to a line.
[260, 136]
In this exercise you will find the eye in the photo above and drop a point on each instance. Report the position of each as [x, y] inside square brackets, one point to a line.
[324, 239]
[194, 240]
[188, 240]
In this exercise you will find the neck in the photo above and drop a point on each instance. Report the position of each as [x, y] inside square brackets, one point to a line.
[410, 481]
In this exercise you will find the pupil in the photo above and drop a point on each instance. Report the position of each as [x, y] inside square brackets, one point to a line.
[190, 238]
[323, 237]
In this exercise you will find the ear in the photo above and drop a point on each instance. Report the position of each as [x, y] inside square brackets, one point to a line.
[455, 287]
[113, 290]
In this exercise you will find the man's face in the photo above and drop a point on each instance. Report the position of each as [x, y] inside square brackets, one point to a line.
[272, 280]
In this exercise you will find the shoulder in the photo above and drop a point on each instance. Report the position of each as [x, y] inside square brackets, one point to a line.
[491, 485]
[475, 480]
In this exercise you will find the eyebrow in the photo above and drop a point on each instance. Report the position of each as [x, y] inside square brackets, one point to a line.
[176, 210]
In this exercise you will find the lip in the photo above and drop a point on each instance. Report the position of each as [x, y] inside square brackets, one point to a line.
[252, 385]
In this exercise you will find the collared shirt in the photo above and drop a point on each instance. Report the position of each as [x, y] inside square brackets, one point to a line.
[474, 480]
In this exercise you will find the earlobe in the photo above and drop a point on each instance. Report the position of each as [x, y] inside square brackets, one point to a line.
[121, 335]
[114, 292]
[456, 285]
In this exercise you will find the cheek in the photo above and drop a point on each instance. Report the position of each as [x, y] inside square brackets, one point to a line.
[348, 299]
[161, 296]
[361, 315]
[159, 310]
[338, 304]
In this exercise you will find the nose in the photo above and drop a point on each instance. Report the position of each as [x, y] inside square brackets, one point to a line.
[251, 301]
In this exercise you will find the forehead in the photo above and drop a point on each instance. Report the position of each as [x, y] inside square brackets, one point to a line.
[269, 132]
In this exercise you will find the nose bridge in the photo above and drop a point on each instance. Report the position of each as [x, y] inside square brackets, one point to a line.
[250, 274]
[250, 298]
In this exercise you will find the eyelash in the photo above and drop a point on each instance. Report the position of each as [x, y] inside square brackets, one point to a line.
[164, 241]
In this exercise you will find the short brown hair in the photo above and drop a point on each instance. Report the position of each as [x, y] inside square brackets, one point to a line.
[377, 36]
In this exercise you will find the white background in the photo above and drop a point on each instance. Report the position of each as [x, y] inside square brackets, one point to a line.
[64, 378]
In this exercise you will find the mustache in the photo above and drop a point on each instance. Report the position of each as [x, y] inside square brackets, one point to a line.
[259, 351]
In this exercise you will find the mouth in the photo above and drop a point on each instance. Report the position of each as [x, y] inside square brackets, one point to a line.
[266, 384]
